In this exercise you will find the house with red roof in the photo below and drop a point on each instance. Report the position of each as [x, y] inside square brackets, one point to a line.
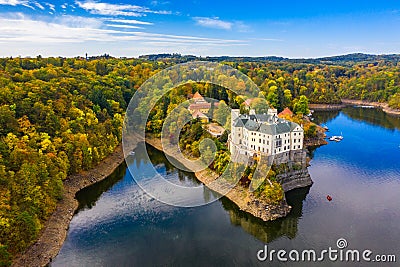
[199, 104]
[286, 112]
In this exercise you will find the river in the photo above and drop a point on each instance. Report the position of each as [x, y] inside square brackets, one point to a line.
[117, 224]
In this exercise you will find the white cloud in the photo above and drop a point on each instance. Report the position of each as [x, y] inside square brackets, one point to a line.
[51, 6]
[27, 5]
[13, 2]
[124, 26]
[62, 30]
[24, 3]
[130, 21]
[158, 3]
[101, 8]
[17, 28]
[215, 23]
[39, 5]
[78, 22]
[268, 39]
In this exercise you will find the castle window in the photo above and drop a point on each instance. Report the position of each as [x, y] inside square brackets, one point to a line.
[278, 143]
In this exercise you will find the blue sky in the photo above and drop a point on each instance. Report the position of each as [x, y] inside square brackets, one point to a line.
[245, 28]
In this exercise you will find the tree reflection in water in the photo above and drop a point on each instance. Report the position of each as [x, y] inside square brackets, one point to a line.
[269, 231]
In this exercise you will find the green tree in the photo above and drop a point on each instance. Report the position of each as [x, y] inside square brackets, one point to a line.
[260, 105]
[272, 98]
[222, 113]
[287, 99]
[301, 106]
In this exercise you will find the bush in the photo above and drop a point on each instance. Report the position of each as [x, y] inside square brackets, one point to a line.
[271, 191]
[5, 257]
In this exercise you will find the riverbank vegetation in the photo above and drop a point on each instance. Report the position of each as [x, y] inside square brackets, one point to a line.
[59, 116]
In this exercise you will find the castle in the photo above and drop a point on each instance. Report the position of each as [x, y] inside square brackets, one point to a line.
[267, 134]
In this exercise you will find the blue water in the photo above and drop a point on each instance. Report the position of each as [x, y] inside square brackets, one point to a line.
[119, 225]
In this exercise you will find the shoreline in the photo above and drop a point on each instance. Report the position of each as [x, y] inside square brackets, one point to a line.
[54, 232]
[325, 107]
[240, 196]
[384, 106]
[349, 102]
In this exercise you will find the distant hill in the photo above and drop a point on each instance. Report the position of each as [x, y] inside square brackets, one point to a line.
[350, 59]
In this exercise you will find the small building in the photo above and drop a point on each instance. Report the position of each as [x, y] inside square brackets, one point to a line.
[215, 130]
[199, 103]
[286, 113]
[199, 115]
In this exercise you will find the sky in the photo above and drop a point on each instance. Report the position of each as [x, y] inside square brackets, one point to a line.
[129, 28]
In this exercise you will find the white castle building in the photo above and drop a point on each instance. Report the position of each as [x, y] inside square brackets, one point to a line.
[266, 134]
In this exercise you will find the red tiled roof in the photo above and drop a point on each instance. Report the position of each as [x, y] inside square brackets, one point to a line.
[197, 96]
[286, 112]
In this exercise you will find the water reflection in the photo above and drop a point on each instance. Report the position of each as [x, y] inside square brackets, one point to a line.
[269, 231]
[264, 231]
[324, 117]
[124, 226]
[373, 116]
[87, 197]
[161, 180]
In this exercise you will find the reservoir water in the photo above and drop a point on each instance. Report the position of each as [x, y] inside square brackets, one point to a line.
[117, 224]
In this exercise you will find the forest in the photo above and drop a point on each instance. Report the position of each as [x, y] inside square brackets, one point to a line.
[59, 116]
